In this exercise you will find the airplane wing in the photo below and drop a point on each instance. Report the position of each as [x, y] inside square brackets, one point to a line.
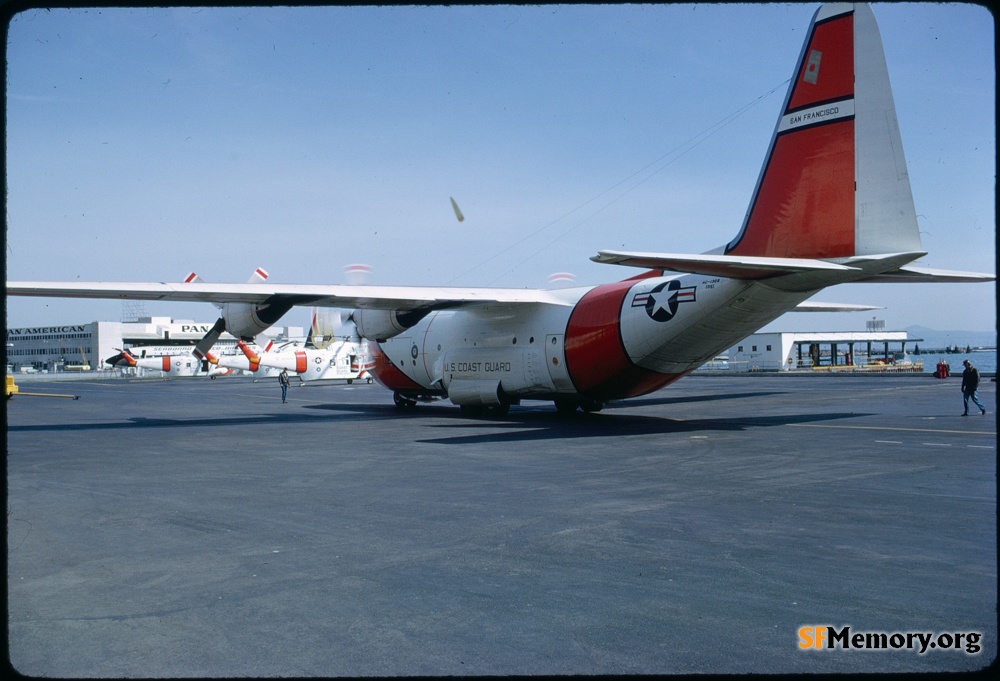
[345, 296]
[732, 267]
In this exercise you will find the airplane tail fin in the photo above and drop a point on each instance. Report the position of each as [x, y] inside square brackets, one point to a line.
[832, 202]
[834, 183]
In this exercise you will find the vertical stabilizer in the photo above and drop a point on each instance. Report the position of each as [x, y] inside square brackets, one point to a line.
[834, 183]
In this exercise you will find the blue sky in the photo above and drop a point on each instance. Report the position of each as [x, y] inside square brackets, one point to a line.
[146, 143]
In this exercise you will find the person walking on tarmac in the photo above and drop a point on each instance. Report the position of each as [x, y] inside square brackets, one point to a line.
[970, 384]
[283, 382]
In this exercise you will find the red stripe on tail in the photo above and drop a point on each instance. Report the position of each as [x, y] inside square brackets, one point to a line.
[804, 204]
[827, 70]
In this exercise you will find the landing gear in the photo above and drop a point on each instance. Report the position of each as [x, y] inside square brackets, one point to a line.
[568, 406]
[403, 402]
[481, 411]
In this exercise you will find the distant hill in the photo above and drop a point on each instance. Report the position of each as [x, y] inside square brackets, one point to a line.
[934, 339]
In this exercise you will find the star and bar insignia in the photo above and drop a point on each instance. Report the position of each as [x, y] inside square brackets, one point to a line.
[661, 303]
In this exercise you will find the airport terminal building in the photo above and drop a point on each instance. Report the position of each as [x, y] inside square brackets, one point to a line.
[84, 347]
[836, 351]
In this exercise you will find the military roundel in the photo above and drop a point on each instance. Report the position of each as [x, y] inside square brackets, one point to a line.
[661, 303]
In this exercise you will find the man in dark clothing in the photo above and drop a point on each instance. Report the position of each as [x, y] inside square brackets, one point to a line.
[283, 382]
[970, 384]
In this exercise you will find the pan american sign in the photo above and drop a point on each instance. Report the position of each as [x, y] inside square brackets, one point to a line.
[46, 330]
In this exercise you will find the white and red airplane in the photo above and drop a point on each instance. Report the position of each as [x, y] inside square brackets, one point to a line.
[832, 205]
[341, 360]
[247, 360]
[178, 364]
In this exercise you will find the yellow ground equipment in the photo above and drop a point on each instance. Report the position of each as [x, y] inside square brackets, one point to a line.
[12, 390]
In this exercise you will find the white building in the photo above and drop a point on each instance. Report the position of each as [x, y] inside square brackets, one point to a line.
[84, 347]
[786, 351]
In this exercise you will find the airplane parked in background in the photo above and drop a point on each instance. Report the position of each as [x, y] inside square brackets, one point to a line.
[340, 360]
[242, 362]
[178, 364]
[832, 205]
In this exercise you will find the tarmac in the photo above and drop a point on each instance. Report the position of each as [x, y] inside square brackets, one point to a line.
[193, 528]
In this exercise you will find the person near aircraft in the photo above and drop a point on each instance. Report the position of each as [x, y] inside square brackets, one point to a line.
[970, 387]
[283, 382]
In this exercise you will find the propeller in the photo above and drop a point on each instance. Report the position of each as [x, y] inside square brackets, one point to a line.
[458, 211]
[330, 323]
[251, 356]
[237, 318]
[561, 279]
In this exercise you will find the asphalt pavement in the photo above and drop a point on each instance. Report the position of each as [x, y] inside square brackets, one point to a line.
[192, 528]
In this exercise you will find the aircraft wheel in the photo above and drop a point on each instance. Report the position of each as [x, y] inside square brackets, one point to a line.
[499, 410]
[403, 402]
[472, 410]
[350, 381]
[566, 406]
[591, 406]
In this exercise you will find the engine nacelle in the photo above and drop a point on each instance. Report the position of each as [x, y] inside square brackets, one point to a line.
[378, 325]
[247, 321]
[243, 321]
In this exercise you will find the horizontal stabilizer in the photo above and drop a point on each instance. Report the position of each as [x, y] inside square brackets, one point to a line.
[812, 306]
[729, 266]
[926, 275]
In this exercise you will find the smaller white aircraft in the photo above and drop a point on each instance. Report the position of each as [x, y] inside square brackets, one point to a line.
[339, 360]
[180, 364]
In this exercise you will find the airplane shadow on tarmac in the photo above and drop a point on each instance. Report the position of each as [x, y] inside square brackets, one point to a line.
[536, 426]
[539, 421]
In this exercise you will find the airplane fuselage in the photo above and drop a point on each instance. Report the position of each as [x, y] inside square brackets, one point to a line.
[611, 341]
